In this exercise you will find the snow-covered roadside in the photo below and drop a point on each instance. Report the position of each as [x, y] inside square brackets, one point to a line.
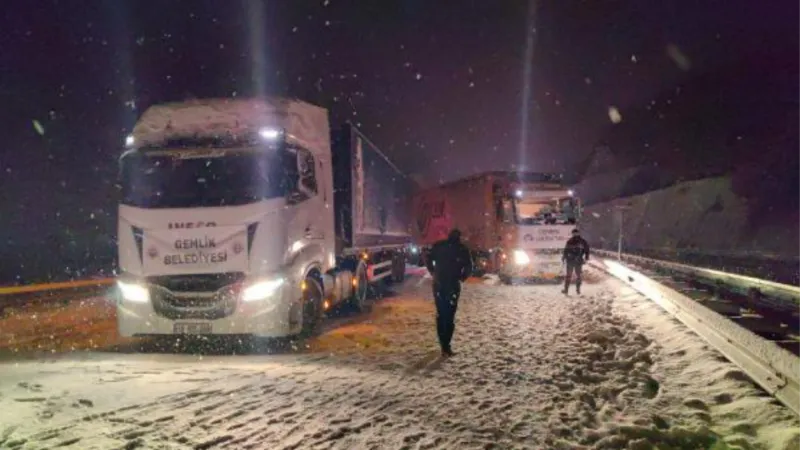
[55, 327]
[533, 369]
[711, 389]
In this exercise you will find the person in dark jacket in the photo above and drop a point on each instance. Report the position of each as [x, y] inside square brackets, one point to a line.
[576, 253]
[450, 263]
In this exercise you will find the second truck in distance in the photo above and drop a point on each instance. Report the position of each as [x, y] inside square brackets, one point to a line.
[515, 223]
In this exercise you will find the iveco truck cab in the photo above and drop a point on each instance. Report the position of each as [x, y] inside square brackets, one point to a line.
[250, 217]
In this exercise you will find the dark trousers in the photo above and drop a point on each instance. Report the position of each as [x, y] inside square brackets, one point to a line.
[446, 298]
[577, 268]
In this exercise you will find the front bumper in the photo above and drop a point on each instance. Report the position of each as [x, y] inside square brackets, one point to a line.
[223, 312]
[537, 266]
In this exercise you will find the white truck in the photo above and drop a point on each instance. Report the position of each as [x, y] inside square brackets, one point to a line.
[250, 217]
[515, 223]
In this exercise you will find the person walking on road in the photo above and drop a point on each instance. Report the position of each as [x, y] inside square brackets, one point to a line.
[450, 263]
[576, 253]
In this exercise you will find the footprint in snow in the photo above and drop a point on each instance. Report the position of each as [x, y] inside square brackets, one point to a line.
[35, 387]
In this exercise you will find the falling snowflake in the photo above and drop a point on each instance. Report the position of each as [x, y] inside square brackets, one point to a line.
[38, 127]
[419, 76]
[678, 57]
[614, 114]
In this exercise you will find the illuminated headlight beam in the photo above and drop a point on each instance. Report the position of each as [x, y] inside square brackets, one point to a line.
[269, 133]
[261, 290]
[521, 258]
[133, 292]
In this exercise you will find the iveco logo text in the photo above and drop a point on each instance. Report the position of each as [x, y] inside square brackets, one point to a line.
[176, 225]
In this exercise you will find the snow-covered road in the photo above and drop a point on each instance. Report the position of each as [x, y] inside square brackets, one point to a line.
[533, 369]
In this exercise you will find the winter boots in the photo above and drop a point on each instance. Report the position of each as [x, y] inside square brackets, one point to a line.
[565, 291]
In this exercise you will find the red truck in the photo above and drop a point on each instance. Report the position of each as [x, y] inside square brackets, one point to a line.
[514, 223]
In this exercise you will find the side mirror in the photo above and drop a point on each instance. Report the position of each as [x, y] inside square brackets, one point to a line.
[303, 169]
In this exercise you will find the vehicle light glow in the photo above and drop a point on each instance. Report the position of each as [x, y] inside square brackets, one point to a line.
[521, 258]
[133, 292]
[261, 290]
[269, 133]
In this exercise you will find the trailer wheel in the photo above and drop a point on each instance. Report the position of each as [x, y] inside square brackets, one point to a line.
[360, 300]
[312, 305]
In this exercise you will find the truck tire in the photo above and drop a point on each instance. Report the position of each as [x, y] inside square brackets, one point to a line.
[398, 268]
[312, 305]
[360, 300]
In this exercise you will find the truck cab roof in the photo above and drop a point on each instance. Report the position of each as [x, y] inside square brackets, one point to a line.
[506, 177]
[302, 122]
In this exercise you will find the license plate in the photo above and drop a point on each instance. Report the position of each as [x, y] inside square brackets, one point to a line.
[191, 328]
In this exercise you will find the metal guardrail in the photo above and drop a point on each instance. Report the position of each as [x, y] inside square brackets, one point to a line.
[781, 296]
[693, 252]
[773, 368]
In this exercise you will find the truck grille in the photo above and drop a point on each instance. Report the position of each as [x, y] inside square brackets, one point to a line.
[204, 297]
[209, 282]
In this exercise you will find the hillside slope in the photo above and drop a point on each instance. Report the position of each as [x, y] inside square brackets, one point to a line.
[702, 217]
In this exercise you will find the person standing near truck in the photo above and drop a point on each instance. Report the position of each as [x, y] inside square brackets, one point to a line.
[576, 253]
[450, 263]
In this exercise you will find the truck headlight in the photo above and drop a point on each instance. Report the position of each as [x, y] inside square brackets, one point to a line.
[133, 292]
[261, 290]
[521, 258]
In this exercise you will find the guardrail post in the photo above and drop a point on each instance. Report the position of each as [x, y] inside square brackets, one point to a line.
[621, 216]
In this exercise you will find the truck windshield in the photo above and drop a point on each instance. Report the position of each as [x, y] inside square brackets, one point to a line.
[183, 176]
[547, 212]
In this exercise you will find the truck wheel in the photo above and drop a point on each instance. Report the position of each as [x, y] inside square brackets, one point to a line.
[359, 300]
[398, 269]
[312, 305]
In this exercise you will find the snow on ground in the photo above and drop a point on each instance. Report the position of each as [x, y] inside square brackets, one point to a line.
[717, 392]
[533, 369]
[53, 327]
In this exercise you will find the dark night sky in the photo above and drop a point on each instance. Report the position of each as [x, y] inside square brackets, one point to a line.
[437, 84]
